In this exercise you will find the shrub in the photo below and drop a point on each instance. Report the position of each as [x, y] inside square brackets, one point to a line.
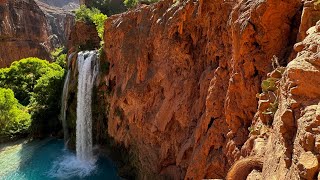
[45, 102]
[14, 118]
[59, 56]
[131, 3]
[22, 76]
[92, 15]
[37, 84]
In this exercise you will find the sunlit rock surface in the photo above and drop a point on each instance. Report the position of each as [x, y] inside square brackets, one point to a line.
[23, 31]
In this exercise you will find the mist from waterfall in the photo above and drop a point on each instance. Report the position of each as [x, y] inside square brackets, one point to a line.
[88, 67]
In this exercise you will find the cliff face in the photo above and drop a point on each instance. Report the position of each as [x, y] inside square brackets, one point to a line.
[64, 4]
[184, 78]
[29, 31]
[23, 31]
[288, 143]
[59, 23]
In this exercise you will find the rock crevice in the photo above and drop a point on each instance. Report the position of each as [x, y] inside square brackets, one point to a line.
[186, 75]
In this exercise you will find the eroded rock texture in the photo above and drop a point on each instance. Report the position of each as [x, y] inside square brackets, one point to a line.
[23, 31]
[290, 147]
[184, 77]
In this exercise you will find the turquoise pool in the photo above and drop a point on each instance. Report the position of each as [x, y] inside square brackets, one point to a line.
[48, 160]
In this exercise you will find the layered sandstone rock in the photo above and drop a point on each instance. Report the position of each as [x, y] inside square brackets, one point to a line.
[23, 31]
[84, 36]
[183, 80]
[27, 30]
[310, 15]
[291, 148]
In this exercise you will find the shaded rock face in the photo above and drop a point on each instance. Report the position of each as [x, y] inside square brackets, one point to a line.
[23, 31]
[183, 80]
[64, 4]
[59, 23]
[84, 36]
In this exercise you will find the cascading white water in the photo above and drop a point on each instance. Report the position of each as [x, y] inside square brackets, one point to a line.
[64, 102]
[83, 164]
[88, 67]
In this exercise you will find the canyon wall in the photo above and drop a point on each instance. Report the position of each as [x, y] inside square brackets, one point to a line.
[184, 78]
[59, 22]
[29, 31]
[287, 142]
[23, 31]
[64, 4]
[209, 89]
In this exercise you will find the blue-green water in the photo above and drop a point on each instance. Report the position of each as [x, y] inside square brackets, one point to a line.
[48, 160]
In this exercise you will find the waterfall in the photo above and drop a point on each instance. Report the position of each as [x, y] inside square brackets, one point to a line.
[64, 102]
[88, 67]
[83, 163]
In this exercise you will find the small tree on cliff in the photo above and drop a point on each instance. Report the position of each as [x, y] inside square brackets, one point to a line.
[92, 15]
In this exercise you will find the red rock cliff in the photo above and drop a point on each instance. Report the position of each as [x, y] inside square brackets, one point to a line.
[185, 77]
[23, 31]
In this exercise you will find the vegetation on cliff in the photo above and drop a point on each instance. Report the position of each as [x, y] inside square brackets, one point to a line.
[133, 3]
[108, 7]
[59, 56]
[92, 15]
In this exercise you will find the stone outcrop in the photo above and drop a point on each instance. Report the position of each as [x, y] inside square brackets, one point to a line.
[291, 148]
[310, 15]
[23, 31]
[243, 168]
[84, 36]
[183, 80]
[29, 31]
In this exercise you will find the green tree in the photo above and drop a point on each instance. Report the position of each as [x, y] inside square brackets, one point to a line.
[45, 104]
[92, 15]
[59, 55]
[36, 84]
[22, 76]
[14, 118]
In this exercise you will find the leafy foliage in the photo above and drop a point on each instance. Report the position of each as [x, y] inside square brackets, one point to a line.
[270, 89]
[36, 84]
[133, 3]
[269, 85]
[14, 118]
[92, 15]
[22, 76]
[45, 102]
[59, 56]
